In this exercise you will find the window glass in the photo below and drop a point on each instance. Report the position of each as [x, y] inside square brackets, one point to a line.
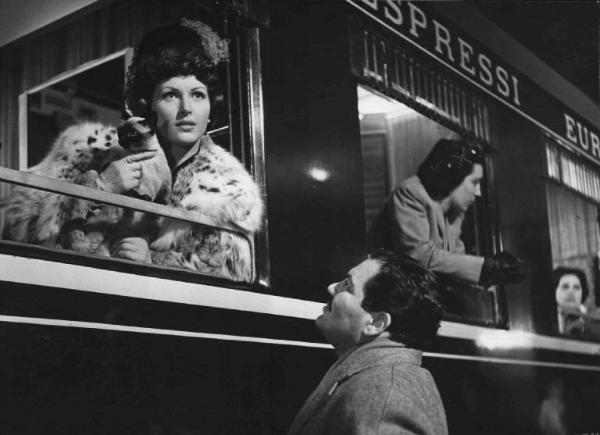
[68, 132]
[91, 95]
[575, 237]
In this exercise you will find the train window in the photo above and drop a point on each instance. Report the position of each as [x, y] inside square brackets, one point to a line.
[68, 138]
[91, 93]
[395, 139]
[572, 193]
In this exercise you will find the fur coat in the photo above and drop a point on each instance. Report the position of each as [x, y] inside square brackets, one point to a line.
[216, 187]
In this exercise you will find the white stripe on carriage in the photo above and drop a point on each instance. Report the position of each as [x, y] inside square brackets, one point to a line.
[88, 279]
[260, 340]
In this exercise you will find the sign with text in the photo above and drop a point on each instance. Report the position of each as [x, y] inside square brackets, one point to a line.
[421, 27]
[447, 44]
[581, 135]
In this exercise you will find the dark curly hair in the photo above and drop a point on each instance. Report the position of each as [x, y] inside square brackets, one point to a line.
[559, 272]
[190, 48]
[447, 165]
[409, 293]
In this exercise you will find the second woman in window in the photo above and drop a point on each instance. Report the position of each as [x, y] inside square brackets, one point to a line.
[423, 216]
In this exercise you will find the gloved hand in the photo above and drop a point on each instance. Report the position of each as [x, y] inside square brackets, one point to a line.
[501, 268]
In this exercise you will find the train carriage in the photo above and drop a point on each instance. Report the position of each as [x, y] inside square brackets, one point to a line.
[328, 104]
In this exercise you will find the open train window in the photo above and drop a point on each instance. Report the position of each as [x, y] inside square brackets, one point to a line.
[42, 207]
[395, 139]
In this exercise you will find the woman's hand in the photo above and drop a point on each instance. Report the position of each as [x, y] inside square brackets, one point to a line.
[125, 174]
[132, 248]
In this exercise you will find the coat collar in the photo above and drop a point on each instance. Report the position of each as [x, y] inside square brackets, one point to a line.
[429, 202]
[375, 353]
[204, 140]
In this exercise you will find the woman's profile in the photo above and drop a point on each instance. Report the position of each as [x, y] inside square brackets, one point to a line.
[423, 216]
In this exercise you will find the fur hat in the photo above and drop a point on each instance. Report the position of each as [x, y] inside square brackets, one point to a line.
[188, 47]
[188, 33]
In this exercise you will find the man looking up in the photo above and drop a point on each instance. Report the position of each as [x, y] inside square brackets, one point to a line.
[377, 386]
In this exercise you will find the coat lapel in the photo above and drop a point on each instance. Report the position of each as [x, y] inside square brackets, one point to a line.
[361, 358]
[316, 399]
[437, 216]
[440, 222]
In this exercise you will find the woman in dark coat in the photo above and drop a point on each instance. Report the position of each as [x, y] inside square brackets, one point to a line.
[423, 216]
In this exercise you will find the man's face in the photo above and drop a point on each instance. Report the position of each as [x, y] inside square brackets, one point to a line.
[463, 196]
[343, 317]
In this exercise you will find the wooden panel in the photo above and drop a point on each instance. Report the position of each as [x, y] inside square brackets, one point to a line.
[410, 137]
[374, 174]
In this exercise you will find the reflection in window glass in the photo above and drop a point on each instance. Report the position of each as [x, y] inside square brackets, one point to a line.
[575, 238]
[92, 95]
[71, 136]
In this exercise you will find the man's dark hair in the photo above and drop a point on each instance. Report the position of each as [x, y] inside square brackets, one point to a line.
[170, 51]
[447, 165]
[559, 272]
[409, 293]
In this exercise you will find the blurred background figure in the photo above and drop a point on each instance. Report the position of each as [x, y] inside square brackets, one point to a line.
[571, 292]
[552, 415]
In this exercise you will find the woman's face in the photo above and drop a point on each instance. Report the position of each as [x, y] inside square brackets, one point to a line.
[568, 292]
[463, 196]
[182, 107]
